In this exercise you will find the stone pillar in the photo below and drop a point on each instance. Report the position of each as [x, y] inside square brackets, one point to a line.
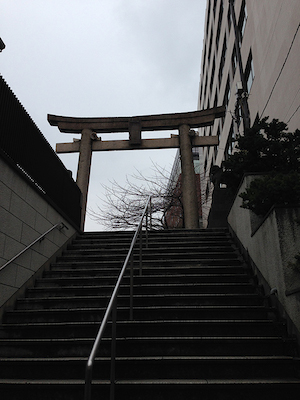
[84, 167]
[188, 180]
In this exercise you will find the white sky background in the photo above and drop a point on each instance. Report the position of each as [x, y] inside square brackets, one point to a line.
[103, 58]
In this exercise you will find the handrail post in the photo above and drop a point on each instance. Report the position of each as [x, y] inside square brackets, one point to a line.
[112, 308]
[131, 288]
[147, 226]
[141, 250]
[113, 351]
[88, 383]
[150, 212]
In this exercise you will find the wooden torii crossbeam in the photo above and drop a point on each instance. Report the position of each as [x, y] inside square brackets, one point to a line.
[186, 140]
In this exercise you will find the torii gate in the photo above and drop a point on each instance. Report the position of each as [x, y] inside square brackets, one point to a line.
[186, 140]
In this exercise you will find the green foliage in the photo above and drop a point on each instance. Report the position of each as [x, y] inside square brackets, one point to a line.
[263, 193]
[267, 148]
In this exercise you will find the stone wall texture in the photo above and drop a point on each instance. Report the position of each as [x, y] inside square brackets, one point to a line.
[272, 244]
[24, 216]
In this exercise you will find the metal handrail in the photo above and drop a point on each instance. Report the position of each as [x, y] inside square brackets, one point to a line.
[112, 308]
[60, 226]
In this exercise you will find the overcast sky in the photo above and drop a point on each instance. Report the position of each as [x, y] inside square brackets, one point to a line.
[103, 58]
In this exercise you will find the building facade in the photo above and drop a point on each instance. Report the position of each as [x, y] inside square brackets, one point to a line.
[250, 64]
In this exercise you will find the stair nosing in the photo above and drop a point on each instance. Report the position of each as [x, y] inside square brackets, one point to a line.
[153, 358]
[158, 307]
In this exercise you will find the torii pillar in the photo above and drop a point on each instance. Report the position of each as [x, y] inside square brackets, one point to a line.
[84, 168]
[188, 179]
[185, 141]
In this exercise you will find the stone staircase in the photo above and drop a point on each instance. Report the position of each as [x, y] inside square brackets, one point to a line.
[201, 328]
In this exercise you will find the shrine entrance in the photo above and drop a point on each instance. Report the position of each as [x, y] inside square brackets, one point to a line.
[185, 141]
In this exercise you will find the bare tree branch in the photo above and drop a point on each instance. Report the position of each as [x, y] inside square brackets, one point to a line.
[123, 205]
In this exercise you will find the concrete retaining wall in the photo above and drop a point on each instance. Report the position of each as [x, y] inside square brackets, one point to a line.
[24, 216]
[272, 244]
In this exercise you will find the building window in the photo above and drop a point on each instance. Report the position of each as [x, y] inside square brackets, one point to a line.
[214, 7]
[215, 153]
[205, 87]
[222, 120]
[227, 93]
[229, 19]
[212, 74]
[207, 192]
[200, 93]
[242, 19]
[230, 142]
[210, 45]
[208, 15]
[233, 61]
[249, 72]
[221, 8]
[204, 56]
[216, 100]
[207, 102]
[219, 23]
[218, 35]
[220, 75]
[222, 61]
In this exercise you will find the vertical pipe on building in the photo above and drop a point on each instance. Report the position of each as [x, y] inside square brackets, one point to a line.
[237, 39]
[84, 167]
[189, 192]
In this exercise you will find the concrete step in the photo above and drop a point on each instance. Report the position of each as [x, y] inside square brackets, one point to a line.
[200, 330]
[175, 328]
[153, 244]
[217, 389]
[86, 278]
[154, 270]
[150, 346]
[93, 290]
[141, 300]
[181, 367]
[184, 256]
[161, 263]
[149, 251]
[161, 234]
[140, 313]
